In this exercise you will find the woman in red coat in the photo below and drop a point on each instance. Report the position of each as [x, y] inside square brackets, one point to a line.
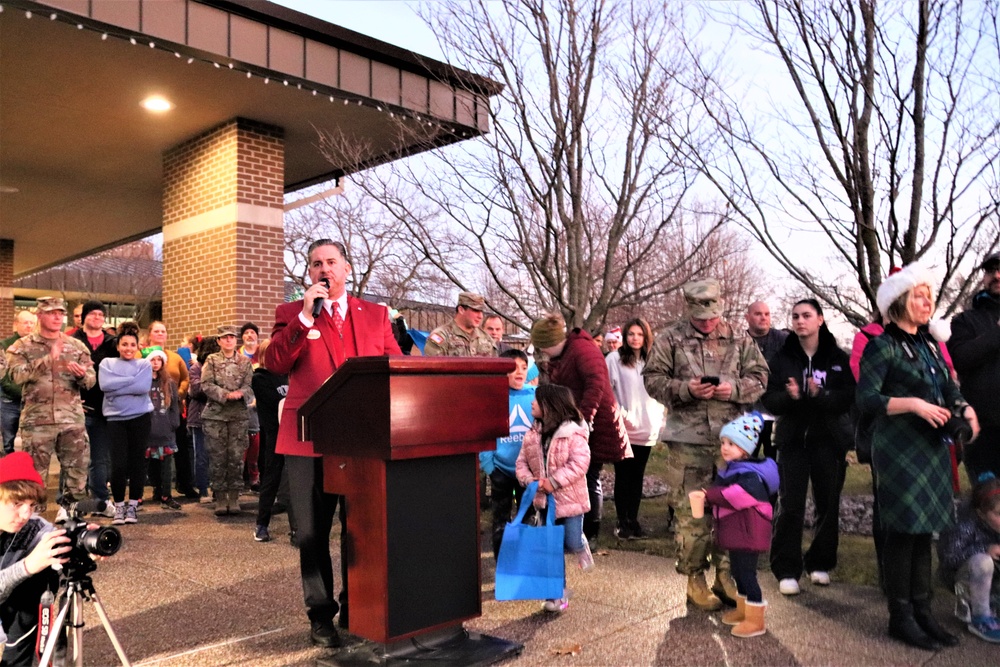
[576, 363]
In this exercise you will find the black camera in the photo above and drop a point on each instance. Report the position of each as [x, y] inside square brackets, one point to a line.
[85, 543]
[957, 430]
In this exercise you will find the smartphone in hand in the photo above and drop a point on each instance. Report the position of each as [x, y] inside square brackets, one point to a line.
[710, 379]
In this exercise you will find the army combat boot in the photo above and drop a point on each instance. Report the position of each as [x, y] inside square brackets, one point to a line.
[724, 587]
[699, 595]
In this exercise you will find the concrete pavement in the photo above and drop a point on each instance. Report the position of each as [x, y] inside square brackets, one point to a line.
[188, 588]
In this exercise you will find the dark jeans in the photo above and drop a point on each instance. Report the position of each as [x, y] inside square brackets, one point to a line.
[798, 466]
[592, 519]
[164, 472]
[10, 419]
[270, 480]
[628, 484]
[128, 456]
[766, 448]
[505, 497]
[743, 567]
[100, 455]
[314, 510]
[183, 461]
[201, 459]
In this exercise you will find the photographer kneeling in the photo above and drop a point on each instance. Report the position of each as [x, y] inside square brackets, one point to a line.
[29, 546]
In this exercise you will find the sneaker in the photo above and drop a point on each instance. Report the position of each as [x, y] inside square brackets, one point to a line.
[205, 500]
[819, 578]
[261, 534]
[169, 504]
[119, 514]
[130, 516]
[557, 606]
[788, 586]
[585, 559]
[986, 628]
[638, 532]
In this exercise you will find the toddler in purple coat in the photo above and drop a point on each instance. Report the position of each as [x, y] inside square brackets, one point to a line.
[740, 500]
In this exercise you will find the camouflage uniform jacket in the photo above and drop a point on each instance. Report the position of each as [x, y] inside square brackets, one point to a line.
[450, 341]
[50, 392]
[219, 376]
[680, 353]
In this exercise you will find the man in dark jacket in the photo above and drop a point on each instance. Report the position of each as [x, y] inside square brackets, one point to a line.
[101, 345]
[576, 363]
[769, 340]
[975, 351]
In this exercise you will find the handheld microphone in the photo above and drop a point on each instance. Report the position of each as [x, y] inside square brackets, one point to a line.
[318, 303]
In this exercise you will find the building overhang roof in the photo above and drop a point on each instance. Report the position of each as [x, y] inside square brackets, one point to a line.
[86, 160]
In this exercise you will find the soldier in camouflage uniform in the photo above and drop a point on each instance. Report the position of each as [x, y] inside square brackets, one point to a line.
[685, 353]
[462, 337]
[225, 379]
[52, 368]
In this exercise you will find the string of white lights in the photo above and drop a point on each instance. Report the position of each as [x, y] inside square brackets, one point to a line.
[267, 76]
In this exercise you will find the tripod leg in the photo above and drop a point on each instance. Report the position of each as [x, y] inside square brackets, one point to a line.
[106, 622]
[77, 629]
[57, 628]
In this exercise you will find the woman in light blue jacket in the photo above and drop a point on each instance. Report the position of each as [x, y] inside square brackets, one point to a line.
[125, 382]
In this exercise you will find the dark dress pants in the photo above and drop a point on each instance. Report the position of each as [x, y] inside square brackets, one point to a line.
[184, 462]
[314, 510]
[983, 455]
[272, 465]
[798, 466]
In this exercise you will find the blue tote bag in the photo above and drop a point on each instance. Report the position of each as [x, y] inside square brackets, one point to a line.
[531, 564]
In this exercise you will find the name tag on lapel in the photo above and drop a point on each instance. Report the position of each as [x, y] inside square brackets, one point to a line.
[313, 334]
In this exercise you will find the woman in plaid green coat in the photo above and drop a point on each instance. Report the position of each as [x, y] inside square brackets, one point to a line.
[906, 385]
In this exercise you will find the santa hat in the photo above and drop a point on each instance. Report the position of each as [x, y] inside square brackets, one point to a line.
[614, 334]
[901, 281]
[19, 466]
[158, 353]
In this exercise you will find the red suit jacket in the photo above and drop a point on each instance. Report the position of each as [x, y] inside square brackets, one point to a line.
[309, 359]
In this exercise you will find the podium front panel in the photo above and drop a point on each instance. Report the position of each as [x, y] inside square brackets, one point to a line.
[433, 531]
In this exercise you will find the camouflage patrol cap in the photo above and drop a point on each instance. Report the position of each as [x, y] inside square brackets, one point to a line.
[472, 300]
[228, 330]
[704, 298]
[50, 303]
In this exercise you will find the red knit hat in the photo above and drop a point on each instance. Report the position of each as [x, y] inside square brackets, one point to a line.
[19, 466]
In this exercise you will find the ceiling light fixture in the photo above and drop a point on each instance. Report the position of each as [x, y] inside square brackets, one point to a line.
[157, 104]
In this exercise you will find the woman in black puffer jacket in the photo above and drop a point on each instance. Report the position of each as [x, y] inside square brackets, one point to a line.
[810, 391]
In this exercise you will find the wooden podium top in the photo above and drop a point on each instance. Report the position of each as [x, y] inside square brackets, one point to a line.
[409, 407]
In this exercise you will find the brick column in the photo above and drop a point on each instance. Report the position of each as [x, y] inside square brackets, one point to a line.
[223, 235]
[6, 287]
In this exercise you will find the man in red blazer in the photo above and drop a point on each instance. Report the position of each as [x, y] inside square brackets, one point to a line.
[309, 350]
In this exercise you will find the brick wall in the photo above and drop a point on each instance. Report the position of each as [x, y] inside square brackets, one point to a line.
[227, 273]
[6, 287]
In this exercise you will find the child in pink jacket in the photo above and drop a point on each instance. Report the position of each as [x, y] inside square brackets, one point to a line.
[555, 453]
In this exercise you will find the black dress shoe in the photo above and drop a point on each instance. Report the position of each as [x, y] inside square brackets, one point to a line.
[322, 633]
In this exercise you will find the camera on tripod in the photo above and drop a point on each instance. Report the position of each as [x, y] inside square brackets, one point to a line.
[86, 543]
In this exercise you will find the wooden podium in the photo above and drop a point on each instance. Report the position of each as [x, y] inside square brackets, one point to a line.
[400, 438]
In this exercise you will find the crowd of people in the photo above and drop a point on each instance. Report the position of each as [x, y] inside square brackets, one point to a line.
[751, 421]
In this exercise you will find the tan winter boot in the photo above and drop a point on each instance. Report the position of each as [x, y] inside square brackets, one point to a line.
[699, 595]
[724, 587]
[753, 624]
[736, 616]
[233, 501]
